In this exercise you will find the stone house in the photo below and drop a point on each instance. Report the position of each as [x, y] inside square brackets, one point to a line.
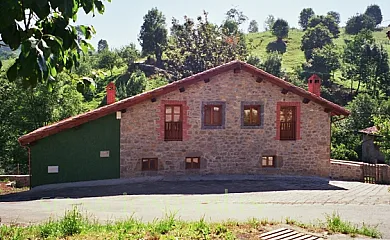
[232, 119]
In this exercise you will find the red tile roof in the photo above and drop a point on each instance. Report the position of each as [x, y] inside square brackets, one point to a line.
[125, 103]
[370, 130]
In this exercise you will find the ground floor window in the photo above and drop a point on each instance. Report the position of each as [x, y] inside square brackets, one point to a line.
[149, 164]
[192, 163]
[268, 161]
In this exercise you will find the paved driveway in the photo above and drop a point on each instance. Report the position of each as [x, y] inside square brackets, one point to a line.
[305, 199]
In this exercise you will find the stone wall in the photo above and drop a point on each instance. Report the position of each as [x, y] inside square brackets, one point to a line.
[353, 171]
[231, 150]
[21, 180]
[346, 170]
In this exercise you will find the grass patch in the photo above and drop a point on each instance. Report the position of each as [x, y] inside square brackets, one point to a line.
[335, 224]
[75, 225]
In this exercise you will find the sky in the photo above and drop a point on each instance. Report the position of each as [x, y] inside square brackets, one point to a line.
[122, 20]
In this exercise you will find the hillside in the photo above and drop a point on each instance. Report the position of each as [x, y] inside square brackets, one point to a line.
[294, 56]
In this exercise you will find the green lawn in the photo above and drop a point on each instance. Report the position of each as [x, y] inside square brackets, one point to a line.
[294, 56]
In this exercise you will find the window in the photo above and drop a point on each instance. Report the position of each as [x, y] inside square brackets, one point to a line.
[251, 115]
[192, 163]
[173, 123]
[149, 164]
[213, 115]
[287, 123]
[268, 161]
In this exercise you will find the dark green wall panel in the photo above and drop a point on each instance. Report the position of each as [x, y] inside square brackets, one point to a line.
[76, 152]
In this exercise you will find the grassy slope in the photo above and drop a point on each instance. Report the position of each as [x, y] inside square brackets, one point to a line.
[294, 56]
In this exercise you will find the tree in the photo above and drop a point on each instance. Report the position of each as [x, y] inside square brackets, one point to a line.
[155, 81]
[108, 60]
[196, 47]
[102, 45]
[236, 16]
[269, 22]
[305, 16]
[367, 62]
[153, 34]
[328, 21]
[335, 15]
[358, 23]
[280, 29]
[129, 53]
[134, 85]
[48, 43]
[23, 111]
[253, 27]
[375, 12]
[316, 37]
[324, 61]
[383, 125]
[273, 64]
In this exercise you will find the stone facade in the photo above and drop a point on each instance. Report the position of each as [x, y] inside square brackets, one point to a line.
[230, 149]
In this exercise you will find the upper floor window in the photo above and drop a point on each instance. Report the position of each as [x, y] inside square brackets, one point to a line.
[213, 115]
[252, 115]
[173, 123]
[288, 122]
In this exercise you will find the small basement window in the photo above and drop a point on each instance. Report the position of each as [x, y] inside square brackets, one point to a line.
[149, 164]
[268, 161]
[192, 162]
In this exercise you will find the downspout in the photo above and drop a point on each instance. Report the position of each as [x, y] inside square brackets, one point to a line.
[29, 162]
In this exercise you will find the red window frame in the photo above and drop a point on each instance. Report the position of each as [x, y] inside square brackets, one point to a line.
[173, 122]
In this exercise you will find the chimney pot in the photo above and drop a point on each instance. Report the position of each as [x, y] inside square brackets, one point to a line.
[111, 91]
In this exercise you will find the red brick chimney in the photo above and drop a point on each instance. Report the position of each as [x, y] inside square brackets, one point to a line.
[111, 91]
[314, 84]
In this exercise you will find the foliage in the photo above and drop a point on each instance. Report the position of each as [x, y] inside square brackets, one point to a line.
[155, 81]
[367, 62]
[358, 23]
[253, 26]
[323, 62]
[108, 60]
[277, 46]
[129, 53]
[196, 47]
[236, 16]
[102, 46]
[383, 139]
[304, 17]
[315, 37]
[134, 85]
[24, 111]
[280, 29]
[153, 34]
[269, 22]
[328, 21]
[273, 64]
[335, 15]
[375, 12]
[48, 42]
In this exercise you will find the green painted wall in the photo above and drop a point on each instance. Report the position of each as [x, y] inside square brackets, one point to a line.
[76, 152]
